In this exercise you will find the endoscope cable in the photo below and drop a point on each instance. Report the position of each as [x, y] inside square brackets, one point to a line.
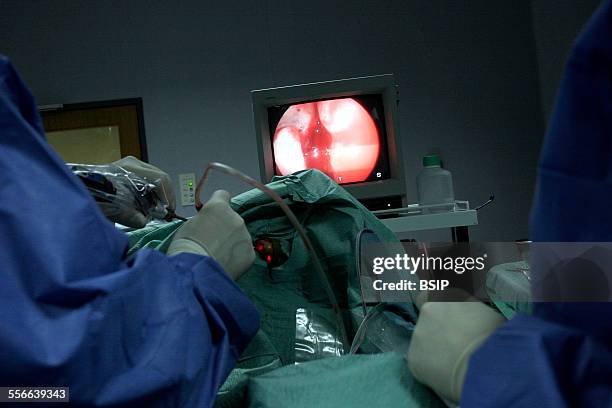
[296, 224]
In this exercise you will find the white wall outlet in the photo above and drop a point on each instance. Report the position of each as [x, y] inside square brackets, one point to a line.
[187, 188]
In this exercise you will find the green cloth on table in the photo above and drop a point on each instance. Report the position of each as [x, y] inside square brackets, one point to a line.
[509, 289]
[332, 219]
[156, 236]
[363, 380]
[259, 357]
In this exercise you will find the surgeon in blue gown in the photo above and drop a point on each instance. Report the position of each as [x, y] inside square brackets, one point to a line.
[149, 330]
[562, 355]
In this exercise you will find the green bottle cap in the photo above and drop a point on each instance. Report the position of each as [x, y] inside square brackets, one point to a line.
[431, 160]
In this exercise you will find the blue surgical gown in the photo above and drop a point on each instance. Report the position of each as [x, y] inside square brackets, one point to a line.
[562, 355]
[149, 330]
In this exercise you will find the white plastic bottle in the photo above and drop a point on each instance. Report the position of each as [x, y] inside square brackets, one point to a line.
[435, 185]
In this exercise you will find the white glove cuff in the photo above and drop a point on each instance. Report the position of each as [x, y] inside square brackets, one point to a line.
[187, 245]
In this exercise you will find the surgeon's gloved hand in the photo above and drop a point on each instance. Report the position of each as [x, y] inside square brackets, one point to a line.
[445, 336]
[161, 179]
[219, 232]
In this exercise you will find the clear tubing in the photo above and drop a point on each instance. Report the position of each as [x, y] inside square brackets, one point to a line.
[296, 224]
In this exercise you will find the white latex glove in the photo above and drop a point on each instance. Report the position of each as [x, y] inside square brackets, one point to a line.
[161, 179]
[445, 336]
[219, 232]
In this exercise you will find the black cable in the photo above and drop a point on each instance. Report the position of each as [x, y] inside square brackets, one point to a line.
[489, 201]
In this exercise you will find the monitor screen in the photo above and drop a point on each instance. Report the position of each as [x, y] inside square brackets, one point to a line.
[343, 137]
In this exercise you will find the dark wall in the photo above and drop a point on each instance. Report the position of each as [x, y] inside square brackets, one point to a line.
[556, 24]
[467, 70]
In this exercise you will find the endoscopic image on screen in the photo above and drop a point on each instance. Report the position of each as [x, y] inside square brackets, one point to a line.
[344, 137]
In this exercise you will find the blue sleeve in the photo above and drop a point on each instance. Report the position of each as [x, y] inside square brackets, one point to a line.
[74, 311]
[561, 356]
[533, 361]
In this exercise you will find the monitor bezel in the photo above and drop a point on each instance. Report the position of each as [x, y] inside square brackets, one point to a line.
[378, 84]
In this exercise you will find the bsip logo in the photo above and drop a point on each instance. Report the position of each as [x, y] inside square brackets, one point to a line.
[422, 263]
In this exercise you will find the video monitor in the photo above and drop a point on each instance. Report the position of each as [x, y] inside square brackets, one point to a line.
[345, 128]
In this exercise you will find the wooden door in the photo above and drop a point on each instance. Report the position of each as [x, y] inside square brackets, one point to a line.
[96, 132]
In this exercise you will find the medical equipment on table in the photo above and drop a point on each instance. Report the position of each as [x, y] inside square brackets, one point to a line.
[360, 150]
[123, 196]
[269, 249]
[435, 185]
[296, 224]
